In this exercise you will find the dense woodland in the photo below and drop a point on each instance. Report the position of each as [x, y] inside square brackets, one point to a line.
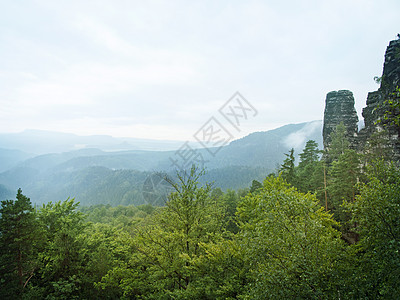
[93, 176]
[325, 228]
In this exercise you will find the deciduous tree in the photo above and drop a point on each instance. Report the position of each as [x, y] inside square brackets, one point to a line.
[290, 244]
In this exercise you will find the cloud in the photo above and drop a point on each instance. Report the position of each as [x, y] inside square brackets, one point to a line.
[298, 139]
[169, 66]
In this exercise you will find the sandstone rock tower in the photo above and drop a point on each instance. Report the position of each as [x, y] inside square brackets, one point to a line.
[375, 108]
[339, 107]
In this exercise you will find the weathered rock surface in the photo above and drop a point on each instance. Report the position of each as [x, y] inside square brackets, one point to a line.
[339, 107]
[390, 80]
[391, 67]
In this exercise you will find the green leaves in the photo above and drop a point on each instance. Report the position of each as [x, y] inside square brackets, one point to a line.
[289, 242]
[18, 242]
[274, 242]
[287, 169]
[310, 154]
[376, 211]
[392, 110]
[171, 239]
[60, 256]
[310, 171]
[344, 175]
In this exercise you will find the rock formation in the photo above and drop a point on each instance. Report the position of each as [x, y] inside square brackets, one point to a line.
[339, 108]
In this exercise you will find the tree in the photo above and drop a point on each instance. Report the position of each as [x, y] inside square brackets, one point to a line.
[62, 256]
[391, 116]
[18, 239]
[289, 244]
[229, 204]
[222, 270]
[168, 244]
[310, 154]
[255, 185]
[287, 169]
[108, 251]
[344, 175]
[339, 143]
[376, 211]
[309, 173]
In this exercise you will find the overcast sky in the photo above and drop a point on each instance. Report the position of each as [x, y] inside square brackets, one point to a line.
[161, 69]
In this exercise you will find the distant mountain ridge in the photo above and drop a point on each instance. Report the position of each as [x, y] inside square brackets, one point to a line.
[11, 157]
[43, 142]
[95, 176]
[267, 149]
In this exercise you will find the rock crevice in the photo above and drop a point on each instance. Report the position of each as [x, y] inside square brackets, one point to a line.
[339, 107]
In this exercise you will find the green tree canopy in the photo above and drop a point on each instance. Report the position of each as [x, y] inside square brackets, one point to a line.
[339, 143]
[310, 154]
[62, 256]
[18, 239]
[310, 171]
[168, 244]
[376, 211]
[287, 169]
[290, 244]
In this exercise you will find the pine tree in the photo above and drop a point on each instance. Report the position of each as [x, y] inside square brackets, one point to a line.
[310, 153]
[61, 258]
[339, 143]
[310, 176]
[344, 174]
[255, 185]
[287, 169]
[17, 241]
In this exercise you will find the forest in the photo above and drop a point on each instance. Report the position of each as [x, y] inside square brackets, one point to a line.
[199, 150]
[325, 228]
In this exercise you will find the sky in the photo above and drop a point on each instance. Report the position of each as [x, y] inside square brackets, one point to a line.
[162, 69]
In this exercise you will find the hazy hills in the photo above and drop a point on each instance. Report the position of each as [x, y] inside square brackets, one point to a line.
[266, 149]
[9, 158]
[38, 142]
[95, 176]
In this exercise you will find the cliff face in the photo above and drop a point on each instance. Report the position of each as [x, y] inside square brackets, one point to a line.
[339, 107]
[391, 67]
[390, 80]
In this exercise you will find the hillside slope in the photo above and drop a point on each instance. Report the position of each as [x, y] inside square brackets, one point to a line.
[94, 176]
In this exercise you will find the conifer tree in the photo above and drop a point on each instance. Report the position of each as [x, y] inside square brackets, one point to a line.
[310, 153]
[339, 143]
[287, 169]
[309, 172]
[17, 241]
